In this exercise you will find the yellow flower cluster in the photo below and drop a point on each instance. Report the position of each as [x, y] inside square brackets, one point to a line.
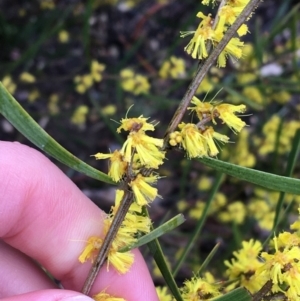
[163, 294]
[280, 266]
[84, 82]
[47, 4]
[27, 77]
[263, 204]
[199, 140]
[9, 84]
[134, 163]
[219, 202]
[206, 34]
[138, 151]
[79, 115]
[172, 68]
[270, 130]
[34, 95]
[235, 212]
[242, 268]
[134, 83]
[103, 296]
[53, 104]
[133, 223]
[63, 36]
[241, 154]
[199, 289]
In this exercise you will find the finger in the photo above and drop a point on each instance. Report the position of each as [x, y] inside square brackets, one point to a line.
[49, 295]
[18, 270]
[48, 218]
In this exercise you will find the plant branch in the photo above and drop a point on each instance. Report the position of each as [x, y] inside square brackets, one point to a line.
[110, 236]
[205, 66]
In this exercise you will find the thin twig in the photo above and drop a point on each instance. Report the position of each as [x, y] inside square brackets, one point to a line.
[263, 291]
[110, 236]
[205, 66]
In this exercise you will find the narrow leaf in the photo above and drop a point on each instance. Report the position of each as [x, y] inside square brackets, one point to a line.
[264, 179]
[199, 224]
[239, 294]
[22, 121]
[293, 155]
[159, 258]
[208, 259]
[159, 231]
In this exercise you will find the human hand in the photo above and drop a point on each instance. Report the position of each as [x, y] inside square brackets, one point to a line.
[44, 216]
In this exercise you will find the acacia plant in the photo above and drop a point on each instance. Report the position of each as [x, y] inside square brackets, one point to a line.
[252, 274]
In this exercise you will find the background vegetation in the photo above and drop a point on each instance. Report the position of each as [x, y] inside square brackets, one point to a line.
[76, 65]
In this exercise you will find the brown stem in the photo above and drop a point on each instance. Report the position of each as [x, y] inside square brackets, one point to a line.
[205, 66]
[263, 291]
[110, 236]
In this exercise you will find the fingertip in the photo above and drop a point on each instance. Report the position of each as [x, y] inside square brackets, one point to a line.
[50, 295]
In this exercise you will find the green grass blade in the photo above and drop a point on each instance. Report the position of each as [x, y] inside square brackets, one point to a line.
[208, 259]
[159, 231]
[199, 225]
[293, 154]
[239, 294]
[289, 171]
[264, 179]
[159, 258]
[22, 121]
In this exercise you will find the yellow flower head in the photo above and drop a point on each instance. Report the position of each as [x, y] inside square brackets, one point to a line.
[175, 138]
[192, 140]
[144, 193]
[109, 110]
[163, 294]
[26, 77]
[96, 70]
[199, 289]
[103, 296]
[93, 244]
[197, 46]
[202, 109]
[9, 84]
[210, 134]
[134, 83]
[245, 264]
[227, 16]
[278, 264]
[237, 3]
[80, 114]
[83, 83]
[172, 68]
[227, 112]
[63, 36]
[146, 147]
[117, 164]
[121, 261]
[135, 124]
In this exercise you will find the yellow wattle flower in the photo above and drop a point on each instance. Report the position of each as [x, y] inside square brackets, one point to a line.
[144, 193]
[192, 140]
[118, 165]
[197, 46]
[146, 147]
[103, 296]
[135, 124]
[227, 114]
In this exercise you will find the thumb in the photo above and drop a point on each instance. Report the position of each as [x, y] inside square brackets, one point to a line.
[50, 295]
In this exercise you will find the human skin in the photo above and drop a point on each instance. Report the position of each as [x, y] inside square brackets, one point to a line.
[45, 217]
